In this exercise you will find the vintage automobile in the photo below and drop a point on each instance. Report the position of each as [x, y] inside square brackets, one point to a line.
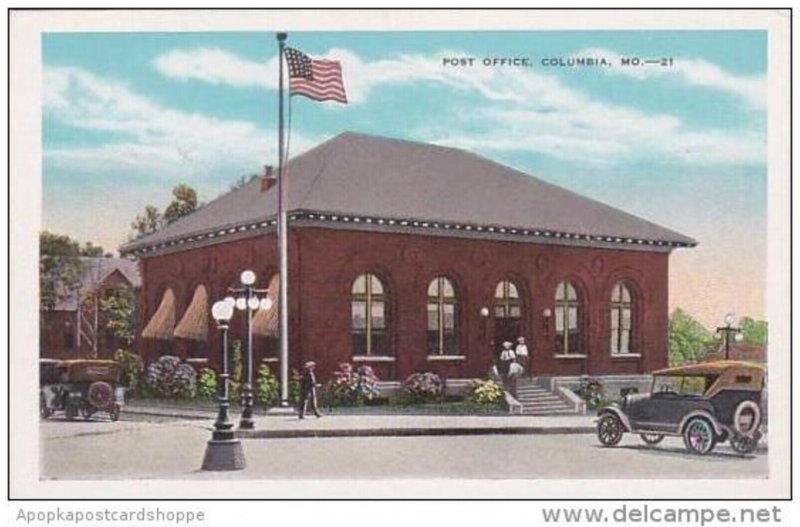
[705, 403]
[80, 387]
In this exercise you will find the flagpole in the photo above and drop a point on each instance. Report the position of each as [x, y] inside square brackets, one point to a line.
[283, 297]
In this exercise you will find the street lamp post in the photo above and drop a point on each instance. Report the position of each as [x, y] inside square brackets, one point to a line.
[729, 329]
[249, 302]
[223, 450]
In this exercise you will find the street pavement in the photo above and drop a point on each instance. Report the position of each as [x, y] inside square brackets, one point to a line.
[174, 450]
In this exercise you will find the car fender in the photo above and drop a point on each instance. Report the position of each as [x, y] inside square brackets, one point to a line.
[619, 413]
[701, 413]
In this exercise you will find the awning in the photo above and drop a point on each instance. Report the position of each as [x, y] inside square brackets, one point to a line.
[265, 321]
[162, 325]
[194, 324]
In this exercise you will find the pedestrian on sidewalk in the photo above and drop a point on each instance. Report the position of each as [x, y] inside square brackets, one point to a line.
[521, 351]
[308, 389]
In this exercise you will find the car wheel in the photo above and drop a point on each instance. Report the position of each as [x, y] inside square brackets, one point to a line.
[698, 436]
[747, 417]
[652, 439]
[609, 430]
[743, 444]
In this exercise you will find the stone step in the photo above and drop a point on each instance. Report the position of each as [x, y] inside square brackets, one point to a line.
[544, 405]
[543, 402]
[565, 411]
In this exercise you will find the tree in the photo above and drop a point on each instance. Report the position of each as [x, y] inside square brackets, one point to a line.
[118, 309]
[148, 222]
[754, 331]
[688, 339]
[61, 267]
[184, 202]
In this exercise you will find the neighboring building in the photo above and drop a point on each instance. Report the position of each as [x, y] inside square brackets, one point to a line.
[72, 329]
[414, 257]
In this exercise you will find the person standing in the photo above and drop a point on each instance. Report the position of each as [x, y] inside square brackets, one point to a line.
[506, 359]
[523, 358]
[308, 389]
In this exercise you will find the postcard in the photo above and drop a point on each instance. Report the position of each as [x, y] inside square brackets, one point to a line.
[400, 254]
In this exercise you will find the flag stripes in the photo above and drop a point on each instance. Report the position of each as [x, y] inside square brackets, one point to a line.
[320, 80]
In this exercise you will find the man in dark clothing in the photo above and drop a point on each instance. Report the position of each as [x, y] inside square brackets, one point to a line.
[308, 389]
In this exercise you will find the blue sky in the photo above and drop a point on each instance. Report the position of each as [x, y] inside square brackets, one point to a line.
[129, 115]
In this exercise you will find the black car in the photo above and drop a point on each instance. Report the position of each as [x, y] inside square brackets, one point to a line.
[706, 404]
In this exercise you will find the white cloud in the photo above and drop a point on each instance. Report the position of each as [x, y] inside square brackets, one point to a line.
[530, 111]
[695, 72]
[148, 138]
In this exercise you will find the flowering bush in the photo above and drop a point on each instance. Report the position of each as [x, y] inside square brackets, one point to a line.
[207, 383]
[169, 377]
[351, 387]
[484, 392]
[423, 386]
[590, 390]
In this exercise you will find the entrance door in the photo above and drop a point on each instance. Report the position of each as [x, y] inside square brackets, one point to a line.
[507, 314]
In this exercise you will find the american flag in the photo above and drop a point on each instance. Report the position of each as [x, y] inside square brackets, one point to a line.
[320, 80]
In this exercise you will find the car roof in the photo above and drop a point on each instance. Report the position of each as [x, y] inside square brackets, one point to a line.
[713, 368]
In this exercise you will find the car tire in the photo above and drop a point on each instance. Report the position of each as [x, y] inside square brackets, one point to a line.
[743, 444]
[698, 436]
[609, 430]
[652, 439]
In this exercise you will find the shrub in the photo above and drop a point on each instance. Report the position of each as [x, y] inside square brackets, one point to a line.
[207, 383]
[235, 371]
[423, 387]
[169, 377]
[132, 375]
[267, 386]
[590, 390]
[350, 387]
[484, 392]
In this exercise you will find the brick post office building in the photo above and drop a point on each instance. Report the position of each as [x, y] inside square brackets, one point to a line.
[414, 257]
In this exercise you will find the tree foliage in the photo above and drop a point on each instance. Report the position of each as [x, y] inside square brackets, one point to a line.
[61, 267]
[184, 201]
[118, 308]
[754, 331]
[688, 339]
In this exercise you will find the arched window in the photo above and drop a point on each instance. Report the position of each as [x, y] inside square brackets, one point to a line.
[621, 319]
[568, 313]
[507, 312]
[442, 317]
[369, 320]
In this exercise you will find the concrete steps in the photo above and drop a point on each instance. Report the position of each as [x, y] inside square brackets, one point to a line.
[538, 400]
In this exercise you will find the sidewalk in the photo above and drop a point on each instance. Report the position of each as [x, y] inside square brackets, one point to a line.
[282, 426]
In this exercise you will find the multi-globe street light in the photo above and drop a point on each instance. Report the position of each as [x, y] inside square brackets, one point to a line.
[248, 300]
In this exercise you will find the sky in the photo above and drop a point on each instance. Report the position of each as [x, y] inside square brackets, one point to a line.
[127, 116]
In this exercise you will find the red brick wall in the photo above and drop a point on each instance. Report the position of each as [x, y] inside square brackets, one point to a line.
[324, 263]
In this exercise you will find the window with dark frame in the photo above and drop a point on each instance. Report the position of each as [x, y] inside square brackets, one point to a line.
[369, 317]
[621, 319]
[442, 317]
[507, 303]
[568, 315]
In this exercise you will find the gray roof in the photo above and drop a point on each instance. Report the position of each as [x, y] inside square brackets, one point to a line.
[369, 176]
[95, 272]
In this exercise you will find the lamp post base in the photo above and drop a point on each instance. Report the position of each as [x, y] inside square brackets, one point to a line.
[224, 454]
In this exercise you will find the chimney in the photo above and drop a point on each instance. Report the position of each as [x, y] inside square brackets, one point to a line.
[268, 179]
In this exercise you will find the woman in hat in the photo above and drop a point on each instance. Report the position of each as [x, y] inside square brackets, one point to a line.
[308, 389]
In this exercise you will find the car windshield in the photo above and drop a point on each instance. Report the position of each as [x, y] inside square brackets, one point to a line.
[689, 385]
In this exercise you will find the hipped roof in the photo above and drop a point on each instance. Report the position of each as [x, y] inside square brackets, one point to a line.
[365, 175]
